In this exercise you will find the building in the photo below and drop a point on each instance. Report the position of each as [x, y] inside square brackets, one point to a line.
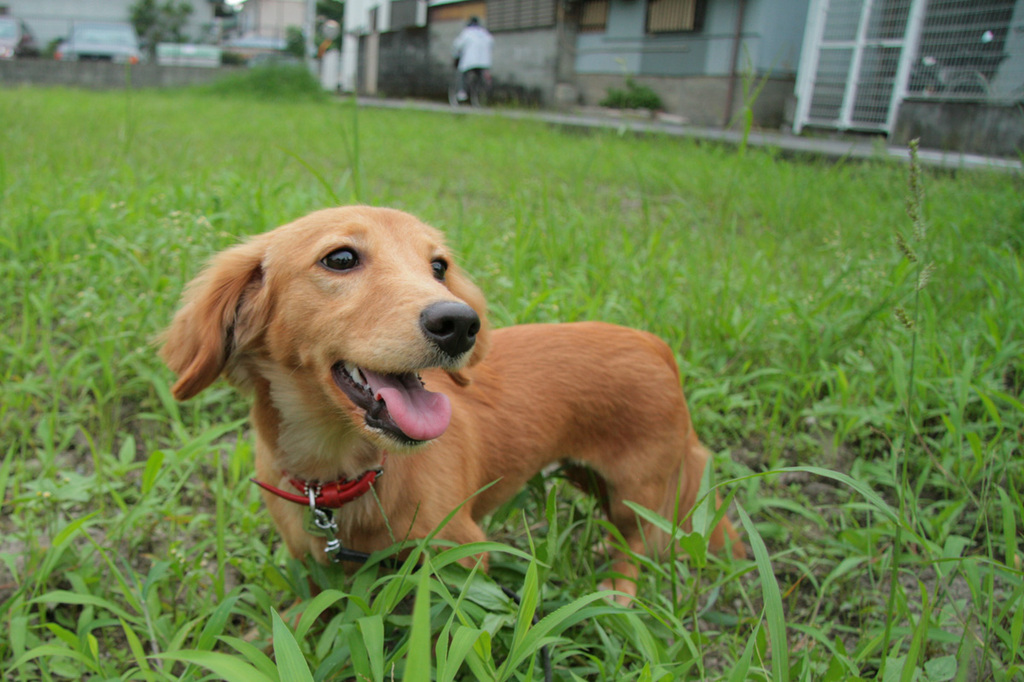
[704, 57]
[895, 67]
[51, 20]
[271, 19]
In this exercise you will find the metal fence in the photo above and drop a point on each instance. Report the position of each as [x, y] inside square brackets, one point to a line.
[970, 51]
[861, 58]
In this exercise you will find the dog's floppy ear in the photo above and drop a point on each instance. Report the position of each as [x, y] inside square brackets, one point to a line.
[460, 285]
[203, 334]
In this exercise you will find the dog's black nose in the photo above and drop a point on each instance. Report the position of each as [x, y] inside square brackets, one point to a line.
[451, 326]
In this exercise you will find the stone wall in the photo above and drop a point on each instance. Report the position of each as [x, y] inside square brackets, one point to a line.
[104, 75]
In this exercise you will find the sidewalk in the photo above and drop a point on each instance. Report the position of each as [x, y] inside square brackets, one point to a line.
[831, 148]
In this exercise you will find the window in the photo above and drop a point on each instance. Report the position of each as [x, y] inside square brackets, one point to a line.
[593, 16]
[509, 15]
[674, 16]
[405, 14]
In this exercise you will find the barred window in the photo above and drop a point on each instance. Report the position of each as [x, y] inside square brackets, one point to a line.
[674, 16]
[593, 16]
[510, 15]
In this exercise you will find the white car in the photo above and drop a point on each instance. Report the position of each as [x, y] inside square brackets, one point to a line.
[100, 41]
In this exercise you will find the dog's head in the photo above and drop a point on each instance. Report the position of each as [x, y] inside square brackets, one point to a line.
[339, 312]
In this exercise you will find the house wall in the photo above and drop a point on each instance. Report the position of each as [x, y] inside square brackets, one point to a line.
[526, 60]
[699, 100]
[271, 18]
[780, 36]
[692, 71]
[771, 35]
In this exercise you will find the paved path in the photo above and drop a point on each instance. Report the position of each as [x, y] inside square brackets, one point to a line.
[832, 148]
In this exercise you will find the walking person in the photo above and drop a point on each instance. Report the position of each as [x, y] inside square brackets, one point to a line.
[472, 52]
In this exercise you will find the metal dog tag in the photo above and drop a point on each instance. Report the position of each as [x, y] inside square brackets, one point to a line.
[320, 522]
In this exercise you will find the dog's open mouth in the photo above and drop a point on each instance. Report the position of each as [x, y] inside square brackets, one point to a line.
[397, 404]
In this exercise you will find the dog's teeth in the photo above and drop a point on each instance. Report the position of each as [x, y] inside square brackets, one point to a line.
[354, 372]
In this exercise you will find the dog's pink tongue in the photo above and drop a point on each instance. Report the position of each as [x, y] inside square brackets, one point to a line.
[419, 413]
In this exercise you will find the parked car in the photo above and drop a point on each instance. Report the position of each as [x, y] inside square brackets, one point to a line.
[100, 41]
[16, 40]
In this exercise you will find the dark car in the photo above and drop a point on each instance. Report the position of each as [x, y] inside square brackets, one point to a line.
[16, 40]
[100, 41]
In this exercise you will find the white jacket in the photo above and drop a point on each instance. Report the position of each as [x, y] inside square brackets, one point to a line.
[473, 48]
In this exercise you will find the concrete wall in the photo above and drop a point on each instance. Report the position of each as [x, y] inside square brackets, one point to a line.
[700, 100]
[417, 62]
[407, 68]
[103, 75]
[975, 128]
[526, 61]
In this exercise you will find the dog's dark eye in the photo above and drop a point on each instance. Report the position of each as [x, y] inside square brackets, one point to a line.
[342, 259]
[440, 268]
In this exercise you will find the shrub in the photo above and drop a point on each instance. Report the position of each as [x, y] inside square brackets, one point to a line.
[232, 59]
[635, 96]
[271, 81]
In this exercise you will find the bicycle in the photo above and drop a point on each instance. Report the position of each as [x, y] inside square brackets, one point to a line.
[936, 78]
[476, 84]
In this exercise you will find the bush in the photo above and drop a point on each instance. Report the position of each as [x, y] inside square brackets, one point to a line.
[635, 96]
[232, 59]
[272, 81]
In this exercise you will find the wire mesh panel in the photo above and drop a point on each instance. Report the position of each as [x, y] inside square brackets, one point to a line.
[833, 72]
[857, 61]
[872, 98]
[970, 50]
[861, 58]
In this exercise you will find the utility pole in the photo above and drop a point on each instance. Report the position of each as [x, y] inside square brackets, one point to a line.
[309, 29]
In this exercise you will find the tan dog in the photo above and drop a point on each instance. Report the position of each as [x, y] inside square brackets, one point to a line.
[330, 322]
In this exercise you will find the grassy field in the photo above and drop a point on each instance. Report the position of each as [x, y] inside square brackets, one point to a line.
[862, 393]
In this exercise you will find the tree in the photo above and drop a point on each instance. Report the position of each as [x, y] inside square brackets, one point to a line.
[330, 10]
[295, 42]
[157, 22]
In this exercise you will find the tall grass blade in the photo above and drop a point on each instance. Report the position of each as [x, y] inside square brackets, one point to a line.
[259, 660]
[290, 661]
[224, 666]
[417, 668]
[773, 612]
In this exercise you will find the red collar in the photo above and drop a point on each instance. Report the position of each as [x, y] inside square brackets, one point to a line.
[333, 495]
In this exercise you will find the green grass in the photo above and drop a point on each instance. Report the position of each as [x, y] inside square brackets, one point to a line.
[876, 469]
